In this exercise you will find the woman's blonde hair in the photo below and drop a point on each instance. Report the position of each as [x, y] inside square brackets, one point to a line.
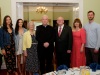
[30, 22]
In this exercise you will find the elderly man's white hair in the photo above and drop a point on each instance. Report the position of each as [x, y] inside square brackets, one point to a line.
[45, 16]
[60, 17]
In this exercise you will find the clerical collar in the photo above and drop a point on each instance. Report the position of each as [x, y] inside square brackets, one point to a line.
[45, 25]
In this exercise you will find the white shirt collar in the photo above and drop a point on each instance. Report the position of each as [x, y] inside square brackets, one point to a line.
[61, 27]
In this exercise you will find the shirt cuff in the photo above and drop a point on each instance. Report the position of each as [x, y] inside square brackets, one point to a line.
[97, 48]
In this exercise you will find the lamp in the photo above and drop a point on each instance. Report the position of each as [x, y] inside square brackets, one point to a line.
[41, 9]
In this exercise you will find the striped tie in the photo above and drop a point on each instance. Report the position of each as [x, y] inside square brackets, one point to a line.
[59, 32]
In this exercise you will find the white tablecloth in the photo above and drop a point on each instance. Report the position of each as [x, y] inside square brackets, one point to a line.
[74, 73]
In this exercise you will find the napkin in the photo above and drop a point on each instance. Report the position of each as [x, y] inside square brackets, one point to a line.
[98, 67]
[93, 66]
[61, 67]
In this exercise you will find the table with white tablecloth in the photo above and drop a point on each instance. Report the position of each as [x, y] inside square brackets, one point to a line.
[76, 72]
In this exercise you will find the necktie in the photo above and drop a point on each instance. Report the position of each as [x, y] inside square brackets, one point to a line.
[59, 32]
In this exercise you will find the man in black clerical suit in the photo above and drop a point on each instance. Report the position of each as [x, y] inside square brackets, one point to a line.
[63, 43]
[45, 37]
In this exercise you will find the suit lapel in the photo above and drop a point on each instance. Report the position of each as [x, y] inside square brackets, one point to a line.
[63, 30]
[57, 31]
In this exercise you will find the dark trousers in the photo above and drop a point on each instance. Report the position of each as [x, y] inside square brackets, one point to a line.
[0, 61]
[99, 57]
[63, 59]
[46, 59]
[91, 57]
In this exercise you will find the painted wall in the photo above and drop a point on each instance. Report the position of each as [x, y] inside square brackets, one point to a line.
[91, 5]
[53, 13]
[0, 16]
[52, 16]
[37, 16]
[5, 6]
[65, 15]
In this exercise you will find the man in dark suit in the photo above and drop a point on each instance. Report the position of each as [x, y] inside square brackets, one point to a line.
[63, 43]
[45, 37]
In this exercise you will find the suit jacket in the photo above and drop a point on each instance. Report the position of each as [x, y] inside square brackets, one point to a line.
[45, 34]
[64, 42]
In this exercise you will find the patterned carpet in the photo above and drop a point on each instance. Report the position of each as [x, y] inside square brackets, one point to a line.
[4, 72]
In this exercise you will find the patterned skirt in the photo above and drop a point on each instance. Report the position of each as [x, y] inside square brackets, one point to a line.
[32, 63]
[10, 58]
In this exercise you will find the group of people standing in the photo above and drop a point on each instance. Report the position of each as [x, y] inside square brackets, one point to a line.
[73, 47]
